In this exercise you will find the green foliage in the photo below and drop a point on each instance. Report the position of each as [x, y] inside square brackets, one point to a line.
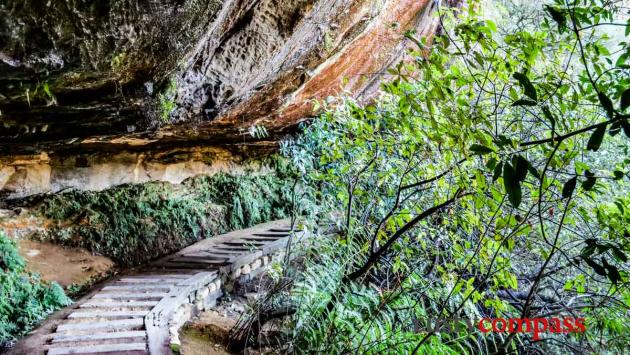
[485, 170]
[249, 199]
[135, 223]
[9, 256]
[131, 223]
[24, 299]
[166, 101]
[366, 319]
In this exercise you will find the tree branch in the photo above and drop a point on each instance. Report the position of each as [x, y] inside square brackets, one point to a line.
[375, 256]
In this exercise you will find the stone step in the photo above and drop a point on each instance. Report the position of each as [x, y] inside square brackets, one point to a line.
[135, 312]
[184, 259]
[202, 255]
[271, 234]
[239, 248]
[103, 303]
[108, 314]
[187, 265]
[112, 325]
[93, 349]
[126, 286]
[223, 252]
[150, 281]
[158, 276]
[249, 245]
[130, 295]
[260, 239]
[63, 338]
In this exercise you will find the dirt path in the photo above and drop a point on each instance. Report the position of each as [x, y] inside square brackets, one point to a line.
[66, 266]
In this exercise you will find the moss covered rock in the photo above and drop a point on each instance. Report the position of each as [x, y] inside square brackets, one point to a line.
[136, 223]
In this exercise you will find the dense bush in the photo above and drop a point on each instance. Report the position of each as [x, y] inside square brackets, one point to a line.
[248, 200]
[490, 180]
[24, 298]
[136, 223]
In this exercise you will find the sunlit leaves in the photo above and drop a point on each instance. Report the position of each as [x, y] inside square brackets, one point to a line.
[517, 121]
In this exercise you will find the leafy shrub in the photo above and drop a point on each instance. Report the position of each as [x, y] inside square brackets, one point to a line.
[24, 298]
[249, 200]
[489, 180]
[135, 223]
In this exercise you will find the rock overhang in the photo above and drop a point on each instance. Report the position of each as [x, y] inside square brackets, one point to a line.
[139, 75]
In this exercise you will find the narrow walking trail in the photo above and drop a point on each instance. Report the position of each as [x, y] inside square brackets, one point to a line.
[141, 313]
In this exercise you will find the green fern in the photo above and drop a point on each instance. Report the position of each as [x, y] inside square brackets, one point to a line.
[24, 298]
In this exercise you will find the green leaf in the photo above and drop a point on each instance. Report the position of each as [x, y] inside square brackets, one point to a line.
[502, 140]
[625, 124]
[619, 254]
[480, 149]
[549, 117]
[589, 183]
[47, 90]
[497, 171]
[606, 104]
[595, 266]
[524, 102]
[613, 272]
[625, 100]
[621, 61]
[512, 185]
[492, 163]
[528, 87]
[596, 138]
[588, 250]
[520, 167]
[615, 128]
[557, 15]
[569, 186]
[620, 207]
[618, 174]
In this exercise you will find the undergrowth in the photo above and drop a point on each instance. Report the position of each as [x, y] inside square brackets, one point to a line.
[24, 298]
[135, 223]
[248, 200]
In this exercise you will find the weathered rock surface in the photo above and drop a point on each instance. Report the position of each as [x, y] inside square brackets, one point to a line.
[154, 75]
[24, 175]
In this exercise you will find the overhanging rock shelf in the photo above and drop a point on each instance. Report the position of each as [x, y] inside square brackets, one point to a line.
[142, 313]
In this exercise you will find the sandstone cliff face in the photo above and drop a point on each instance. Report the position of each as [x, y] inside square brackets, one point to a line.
[119, 80]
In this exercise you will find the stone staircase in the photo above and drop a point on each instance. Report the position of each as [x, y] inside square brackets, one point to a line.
[142, 313]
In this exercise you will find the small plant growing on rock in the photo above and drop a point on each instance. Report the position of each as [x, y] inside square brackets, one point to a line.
[166, 101]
